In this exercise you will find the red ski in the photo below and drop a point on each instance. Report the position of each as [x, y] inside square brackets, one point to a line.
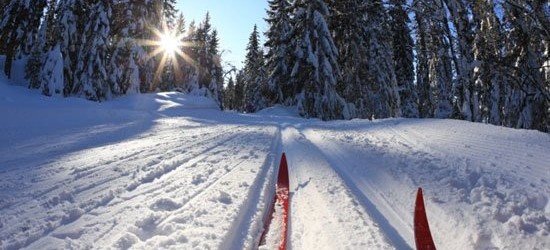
[422, 235]
[279, 207]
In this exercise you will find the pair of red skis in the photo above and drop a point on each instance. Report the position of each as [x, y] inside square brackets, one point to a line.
[422, 235]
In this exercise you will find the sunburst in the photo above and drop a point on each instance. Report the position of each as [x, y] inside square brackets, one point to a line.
[170, 44]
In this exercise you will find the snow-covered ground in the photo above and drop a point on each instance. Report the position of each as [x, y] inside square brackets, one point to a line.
[172, 171]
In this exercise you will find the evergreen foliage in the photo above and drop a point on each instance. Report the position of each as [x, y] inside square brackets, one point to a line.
[19, 25]
[277, 58]
[403, 58]
[481, 61]
[254, 74]
[92, 67]
[314, 67]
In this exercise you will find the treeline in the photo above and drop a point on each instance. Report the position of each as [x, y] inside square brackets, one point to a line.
[98, 49]
[476, 60]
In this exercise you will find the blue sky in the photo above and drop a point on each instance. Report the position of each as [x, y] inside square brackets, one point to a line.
[234, 20]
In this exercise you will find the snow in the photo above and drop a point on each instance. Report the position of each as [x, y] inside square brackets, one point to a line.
[167, 170]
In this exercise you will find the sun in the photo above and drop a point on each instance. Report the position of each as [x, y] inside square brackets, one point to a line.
[169, 43]
[167, 49]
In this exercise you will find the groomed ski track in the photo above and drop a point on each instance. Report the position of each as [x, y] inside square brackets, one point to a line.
[201, 179]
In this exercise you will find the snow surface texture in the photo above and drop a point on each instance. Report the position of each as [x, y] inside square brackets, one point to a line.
[171, 171]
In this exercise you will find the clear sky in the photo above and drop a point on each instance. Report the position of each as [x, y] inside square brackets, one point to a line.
[234, 20]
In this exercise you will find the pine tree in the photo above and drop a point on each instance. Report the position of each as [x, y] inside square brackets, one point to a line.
[206, 78]
[403, 58]
[203, 54]
[528, 98]
[169, 11]
[488, 75]
[315, 69]
[147, 17]
[278, 55]
[434, 72]
[348, 24]
[72, 15]
[192, 51]
[229, 95]
[19, 25]
[384, 98]
[239, 96]
[44, 43]
[254, 75]
[36, 59]
[125, 50]
[215, 70]
[92, 68]
[467, 104]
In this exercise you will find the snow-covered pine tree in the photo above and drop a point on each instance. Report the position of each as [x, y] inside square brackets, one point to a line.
[19, 25]
[229, 94]
[528, 98]
[36, 59]
[215, 70]
[203, 54]
[315, 69]
[254, 75]
[45, 66]
[92, 68]
[487, 75]
[206, 80]
[192, 51]
[434, 70]
[467, 100]
[384, 98]
[347, 23]
[125, 50]
[72, 15]
[238, 99]
[278, 55]
[403, 57]
[170, 12]
[51, 74]
[147, 17]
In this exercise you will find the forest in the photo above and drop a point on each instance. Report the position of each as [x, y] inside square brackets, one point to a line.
[476, 60]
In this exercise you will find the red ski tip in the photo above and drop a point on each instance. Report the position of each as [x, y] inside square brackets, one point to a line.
[282, 198]
[282, 179]
[422, 235]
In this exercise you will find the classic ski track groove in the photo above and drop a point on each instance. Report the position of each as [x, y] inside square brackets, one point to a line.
[120, 194]
[166, 182]
[332, 203]
[366, 194]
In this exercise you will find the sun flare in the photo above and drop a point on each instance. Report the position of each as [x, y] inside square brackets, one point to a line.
[169, 44]
[167, 49]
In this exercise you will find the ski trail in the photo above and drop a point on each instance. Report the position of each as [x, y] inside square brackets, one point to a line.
[469, 178]
[175, 181]
[80, 186]
[324, 214]
[396, 221]
[248, 226]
